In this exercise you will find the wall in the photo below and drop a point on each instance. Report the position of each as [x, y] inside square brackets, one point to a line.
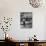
[12, 8]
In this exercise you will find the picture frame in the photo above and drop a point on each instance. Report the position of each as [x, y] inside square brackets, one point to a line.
[26, 19]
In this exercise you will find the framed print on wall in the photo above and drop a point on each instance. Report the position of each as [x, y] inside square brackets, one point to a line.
[26, 19]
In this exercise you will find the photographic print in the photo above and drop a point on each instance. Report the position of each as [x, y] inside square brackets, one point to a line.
[26, 19]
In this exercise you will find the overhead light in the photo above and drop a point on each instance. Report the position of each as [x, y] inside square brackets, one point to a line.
[36, 3]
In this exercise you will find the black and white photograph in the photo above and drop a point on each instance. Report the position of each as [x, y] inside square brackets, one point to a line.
[26, 19]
